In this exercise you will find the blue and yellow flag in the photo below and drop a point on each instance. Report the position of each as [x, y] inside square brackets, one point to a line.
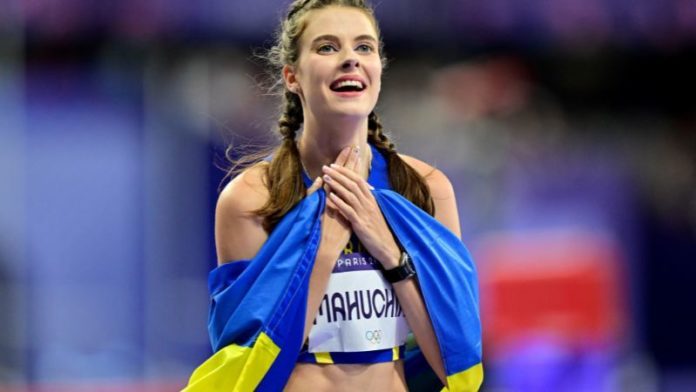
[258, 306]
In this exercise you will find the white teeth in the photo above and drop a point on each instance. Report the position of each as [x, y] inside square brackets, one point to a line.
[345, 83]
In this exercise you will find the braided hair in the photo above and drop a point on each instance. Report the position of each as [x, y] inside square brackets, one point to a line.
[404, 179]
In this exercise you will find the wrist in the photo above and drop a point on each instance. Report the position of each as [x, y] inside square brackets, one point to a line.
[391, 259]
[329, 251]
[403, 272]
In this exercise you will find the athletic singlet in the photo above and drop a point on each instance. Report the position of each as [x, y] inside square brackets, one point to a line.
[359, 319]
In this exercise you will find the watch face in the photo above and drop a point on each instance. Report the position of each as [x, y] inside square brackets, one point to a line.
[408, 262]
[411, 270]
[404, 259]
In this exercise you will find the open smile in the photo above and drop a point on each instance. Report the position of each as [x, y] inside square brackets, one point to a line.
[348, 86]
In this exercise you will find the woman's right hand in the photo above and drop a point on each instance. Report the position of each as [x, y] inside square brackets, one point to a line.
[335, 229]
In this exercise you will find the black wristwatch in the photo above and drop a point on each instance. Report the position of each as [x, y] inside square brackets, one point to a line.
[404, 271]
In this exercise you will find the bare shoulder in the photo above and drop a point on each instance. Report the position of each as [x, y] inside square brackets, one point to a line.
[246, 192]
[441, 191]
[440, 186]
[239, 233]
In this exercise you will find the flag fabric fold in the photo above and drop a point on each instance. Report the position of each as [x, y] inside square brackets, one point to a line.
[258, 306]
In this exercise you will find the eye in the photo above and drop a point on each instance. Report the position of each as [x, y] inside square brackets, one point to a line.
[326, 48]
[367, 48]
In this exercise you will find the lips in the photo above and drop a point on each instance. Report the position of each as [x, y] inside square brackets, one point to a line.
[348, 84]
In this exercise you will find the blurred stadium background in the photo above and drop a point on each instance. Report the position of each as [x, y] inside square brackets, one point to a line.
[567, 127]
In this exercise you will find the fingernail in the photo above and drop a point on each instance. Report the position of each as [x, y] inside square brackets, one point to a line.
[327, 178]
[324, 167]
[371, 187]
[333, 165]
[316, 180]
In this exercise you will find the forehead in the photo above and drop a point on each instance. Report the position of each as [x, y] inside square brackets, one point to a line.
[343, 22]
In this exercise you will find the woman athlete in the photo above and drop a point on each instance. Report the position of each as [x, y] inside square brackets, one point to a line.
[328, 57]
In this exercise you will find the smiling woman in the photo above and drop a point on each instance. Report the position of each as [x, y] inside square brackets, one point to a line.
[316, 287]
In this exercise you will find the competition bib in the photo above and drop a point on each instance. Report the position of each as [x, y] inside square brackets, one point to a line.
[360, 310]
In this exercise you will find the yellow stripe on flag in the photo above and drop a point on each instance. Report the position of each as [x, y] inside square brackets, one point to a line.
[235, 368]
[468, 380]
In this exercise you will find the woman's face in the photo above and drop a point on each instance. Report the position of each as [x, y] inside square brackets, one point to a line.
[339, 68]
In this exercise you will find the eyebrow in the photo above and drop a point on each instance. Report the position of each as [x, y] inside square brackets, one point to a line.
[329, 37]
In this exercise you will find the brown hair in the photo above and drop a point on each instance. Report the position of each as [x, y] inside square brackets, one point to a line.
[283, 173]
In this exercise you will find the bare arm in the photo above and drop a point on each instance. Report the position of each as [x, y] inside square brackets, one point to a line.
[239, 233]
[335, 233]
[408, 291]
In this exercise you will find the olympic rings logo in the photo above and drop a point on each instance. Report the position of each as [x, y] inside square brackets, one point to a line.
[374, 337]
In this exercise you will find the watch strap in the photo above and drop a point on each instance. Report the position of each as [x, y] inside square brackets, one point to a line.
[404, 271]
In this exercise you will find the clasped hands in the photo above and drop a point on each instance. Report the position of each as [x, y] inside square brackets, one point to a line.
[351, 203]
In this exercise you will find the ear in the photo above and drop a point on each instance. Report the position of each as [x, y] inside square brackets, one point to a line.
[290, 79]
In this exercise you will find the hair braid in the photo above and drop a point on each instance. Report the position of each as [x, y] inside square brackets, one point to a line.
[283, 177]
[292, 117]
[403, 178]
[376, 135]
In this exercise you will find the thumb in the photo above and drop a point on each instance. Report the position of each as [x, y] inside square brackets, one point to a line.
[315, 186]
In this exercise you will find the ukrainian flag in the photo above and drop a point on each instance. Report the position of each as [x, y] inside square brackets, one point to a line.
[258, 306]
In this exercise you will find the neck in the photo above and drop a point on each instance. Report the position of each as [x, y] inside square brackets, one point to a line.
[322, 141]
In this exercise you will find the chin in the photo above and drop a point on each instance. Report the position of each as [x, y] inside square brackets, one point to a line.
[358, 109]
[346, 113]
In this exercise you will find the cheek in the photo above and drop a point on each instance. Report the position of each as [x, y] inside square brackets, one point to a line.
[307, 73]
[377, 78]
[377, 87]
[317, 77]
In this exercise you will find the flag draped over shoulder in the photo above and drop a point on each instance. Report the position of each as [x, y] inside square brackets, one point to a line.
[258, 306]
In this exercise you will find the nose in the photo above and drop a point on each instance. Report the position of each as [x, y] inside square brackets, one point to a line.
[350, 63]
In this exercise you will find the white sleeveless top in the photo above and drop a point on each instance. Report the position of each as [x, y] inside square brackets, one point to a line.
[360, 310]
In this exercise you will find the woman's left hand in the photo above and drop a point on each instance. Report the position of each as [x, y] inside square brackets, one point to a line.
[354, 200]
